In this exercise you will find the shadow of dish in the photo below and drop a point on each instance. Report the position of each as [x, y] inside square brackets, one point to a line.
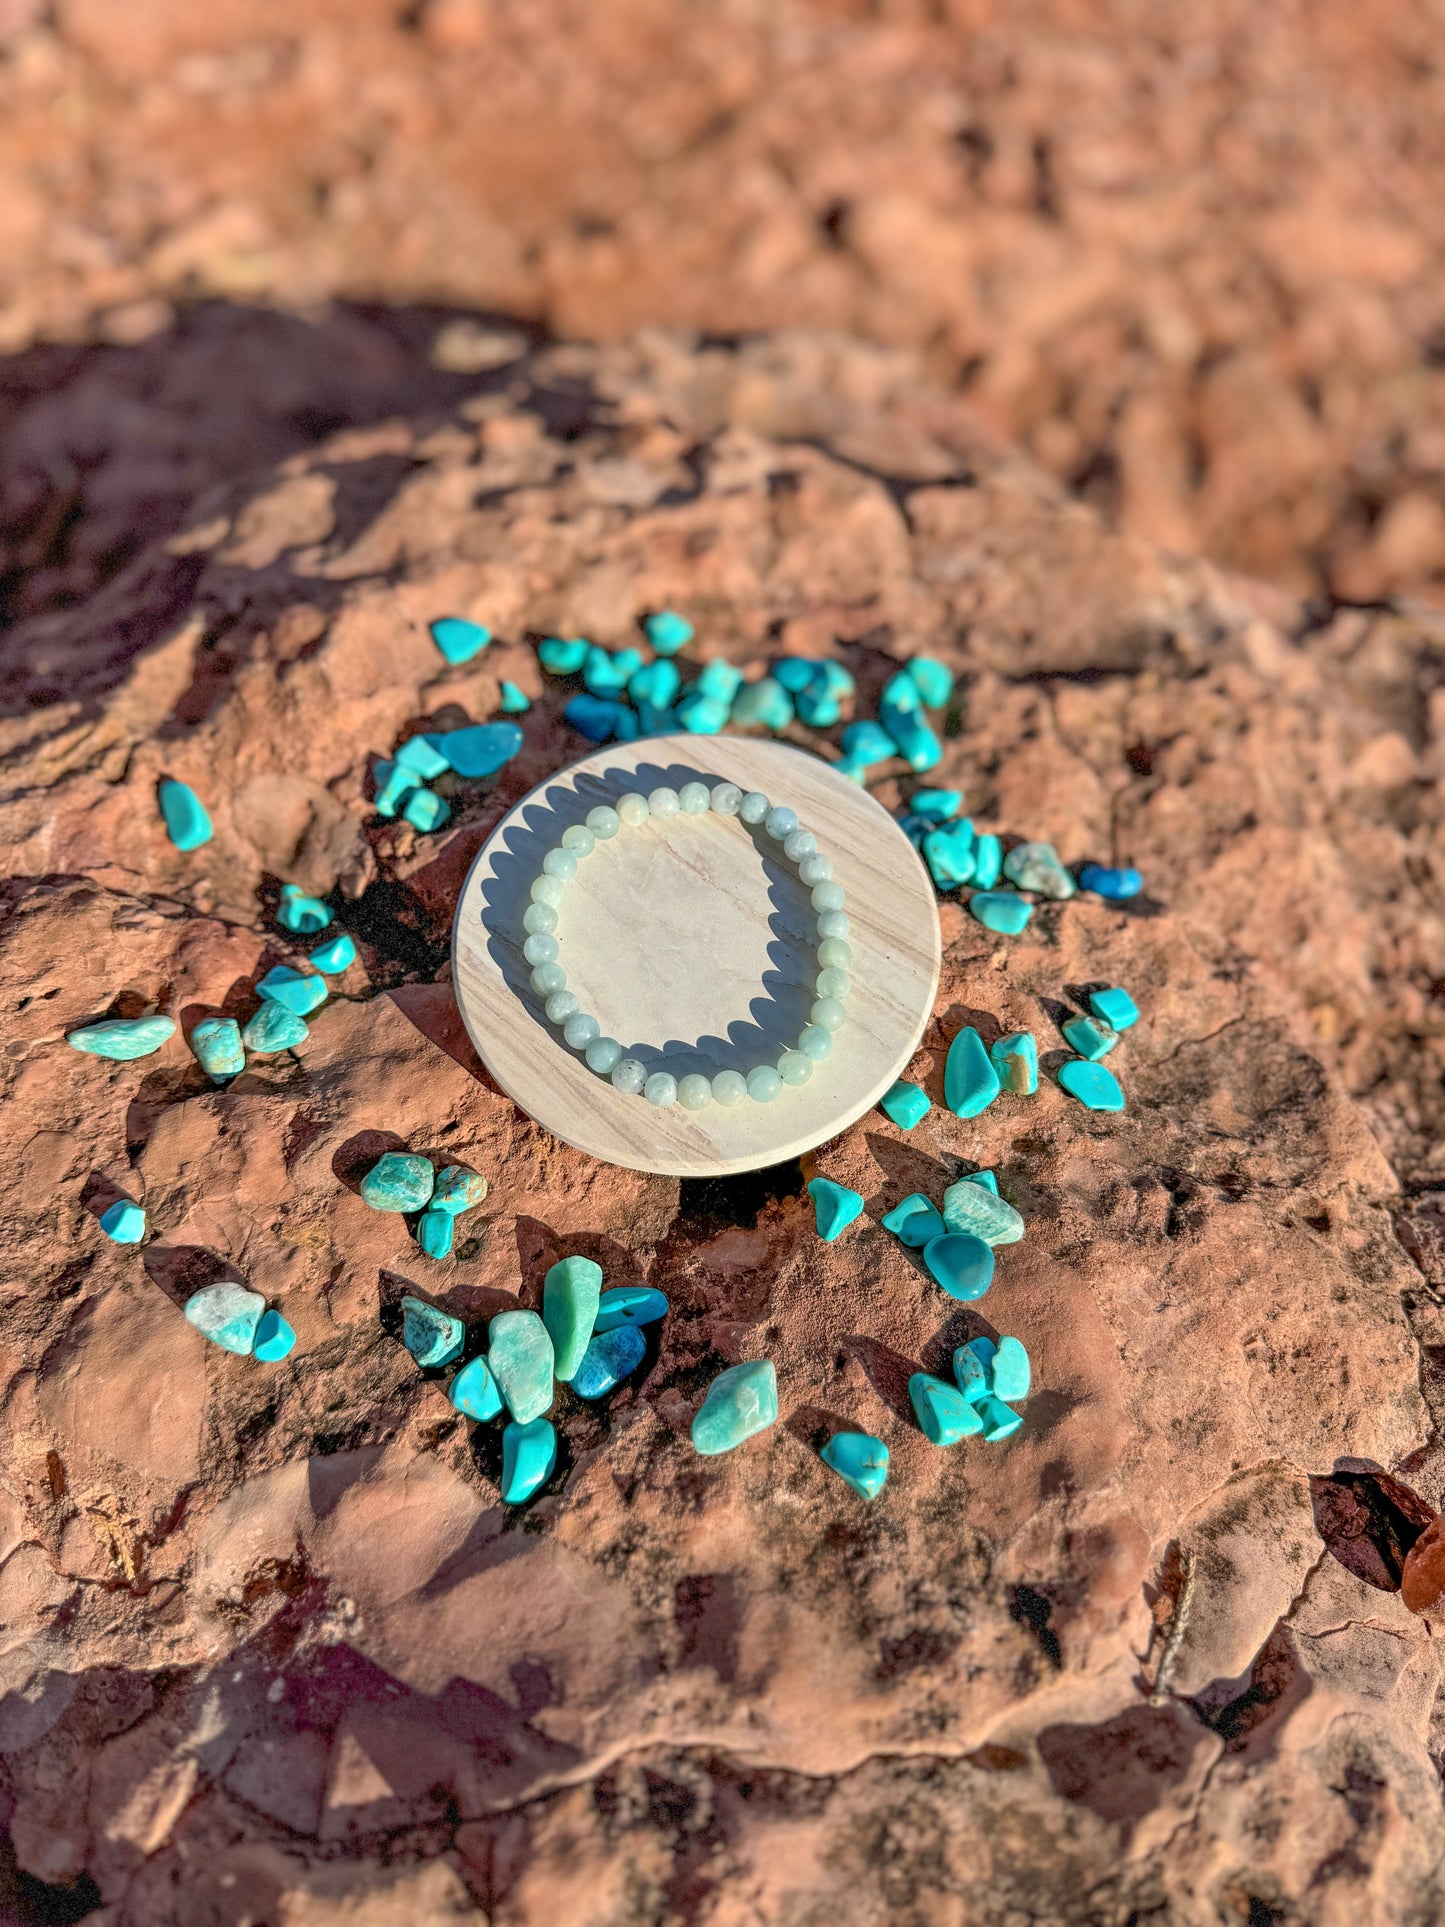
[776, 1016]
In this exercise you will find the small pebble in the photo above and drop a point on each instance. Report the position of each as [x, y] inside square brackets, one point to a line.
[561, 656]
[514, 701]
[629, 1305]
[1120, 885]
[917, 744]
[971, 1206]
[1000, 911]
[426, 811]
[124, 1223]
[701, 714]
[939, 805]
[656, 683]
[218, 1049]
[275, 1338]
[763, 704]
[906, 1104]
[297, 911]
[818, 708]
[948, 852]
[423, 758]
[835, 1206]
[944, 1415]
[1096, 1087]
[962, 1263]
[860, 1461]
[1116, 1007]
[916, 1221]
[719, 679]
[973, 1368]
[292, 989]
[915, 828]
[1090, 1037]
[1016, 1059]
[519, 1351]
[741, 1402]
[608, 1359]
[529, 1457]
[998, 1421]
[970, 1081]
[184, 814]
[398, 1181]
[457, 1189]
[434, 1233]
[227, 1314]
[795, 673]
[1012, 1374]
[123, 1038]
[274, 1028]
[479, 750]
[571, 1292]
[474, 1391]
[458, 639]
[394, 784]
[932, 679]
[334, 957]
[987, 862]
[606, 674]
[600, 721]
[985, 1178]
[1036, 867]
[668, 632]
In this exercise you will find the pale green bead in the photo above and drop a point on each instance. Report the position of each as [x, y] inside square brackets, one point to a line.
[829, 1013]
[833, 923]
[815, 1043]
[632, 808]
[834, 983]
[693, 798]
[580, 1029]
[603, 1054]
[754, 807]
[561, 1005]
[660, 1089]
[780, 822]
[579, 840]
[560, 863]
[726, 799]
[548, 977]
[662, 802]
[829, 896]
[694, 1091]
[815, 869]
[603, 822]
[794, 1067]
[800, 844]
[729, 1088]
[540, 949]
[628, 1076]
[764, 1084]
[548, 889]
[834, 954]
[539, 919]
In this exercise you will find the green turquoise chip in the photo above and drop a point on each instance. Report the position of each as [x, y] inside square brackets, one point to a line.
[906, 1104]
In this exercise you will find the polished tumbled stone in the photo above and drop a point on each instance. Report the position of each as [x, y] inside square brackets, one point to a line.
[940, 805]
[944, 1415]
[740, 1402]
[274, 1028]
[1090, 1037]
[609, 1357]
[916, 1221]
[458, 639]
[905, 1104]
[431, 1335]
[970, 1206]
[570, 1296]
[457, 1189]
[916, 742]
[668, 632]
[600, 720]
[962, 1263]
[629, 1305]
[293, 989]
[187, 824]
[529, 1457]
[859, 1459]
[519, 1351]
[563, 655]
[764, 704]
[474, 1391]
[514, 701]
[399, 1181]
[970, 1082]
[997, 1420]
[1101, 881]
[426, 811]
[123, 1038]
[656, 683]
[334, 957]
[1016, 1059]
[1116, 1007]
[973, 1368]
[607, 673]
[419, 755]
[227, 1314]
[305, 915]
[1011, 1375]
[948, 852]
[219, 1051]
[1036, 867]
[1094, 1085]
[124, 1223]
[866, 742]
[275, 1339]
[986, 1178]
[932, 679]
[795, 672]
[987, 861]
[435, 1231]
[1002, 911]
[479, 750]
[835, 1207]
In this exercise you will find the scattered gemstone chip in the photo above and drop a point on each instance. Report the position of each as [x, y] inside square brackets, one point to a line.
[1090, 1037]
[962, 1263]
[292, 989]
[457, 1189]
[1001, 911]
[859, 1459]
[187, 824]
[123, 1038]
[474, 1391]
[629, 1305]
[970, 1081]
[398, 1181]
[1036, 867]
[334, 957]
[274, 1028]
[227, 1314]
[519, 1351]
[563, 656]
[916, 1221]
[124, 1223]
[571, 1294]
[944, 1415]
[1116, 1007]
[997, 1419]
[1119, 885]
[219, 1051]
[668, 632]
[906, 1104]
[305, 915]
[431, 1335]
[987, 862]
[835, 1206]
[479, 750]
[458, 639]
[608, 1359]
[1016, 1059]
[1095, 1087]
[941, 805]
[741, 1402]
[529, 1457]
[275, 1338]
[971, 1206]
[434, 1233]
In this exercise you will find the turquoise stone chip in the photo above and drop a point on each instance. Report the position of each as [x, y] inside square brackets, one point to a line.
[123, 1038]
[219, 1051]
[629, 1305]
[423, 758]
[398, 1181]
[944, 1414]
[987, 862]
[275, 1339]
[905, 1104]
[292, 989]
[1012, 1374]
[859, 1459]
[866, 742]
[657, 683]
[998, 1421]
[514, 701]
[1090, 1037]
[599, 720]
[474, 1391]
[933, 680]
[519, 1351]
[306, 915]
[334, 957]
[123, 1223]
[1116, 1007]
[917, 1221]
[901, 691]
[668, 632]
[970, 1082]
[393, 785]
[426, 811]
[794, 673]
[529, 1457]
[226, 1314]
[606, 674]
[431, 1335]
[961, 1263]
[948, 852]
[458, 639]
[763, 704]
[1036, 867]
[1016, 1059]
[973, 1368]
[1120, 885]
[702, 715]
[652, 721]
[740, 1402]
[1095, 1086]
[971, 1206]
[941, 805]
[571, 1293]
[561, 656]
[184, 815]
[719, 679]
[917, 744]
[434, 1233]
[819, 709]
[1000, 911]
[274, 1028]
[835, 1206]
[609, 1357]
[985, 1178]
[457, 1189]
[479, 750]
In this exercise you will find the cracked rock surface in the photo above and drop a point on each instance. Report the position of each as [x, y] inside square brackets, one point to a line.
[270, 1647]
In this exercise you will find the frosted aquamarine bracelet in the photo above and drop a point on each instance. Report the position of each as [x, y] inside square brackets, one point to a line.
[604, 1054]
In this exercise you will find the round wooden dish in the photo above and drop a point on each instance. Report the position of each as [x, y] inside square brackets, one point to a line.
[692, 941]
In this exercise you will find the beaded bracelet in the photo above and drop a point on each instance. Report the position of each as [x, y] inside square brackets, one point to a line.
[604, 1054]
